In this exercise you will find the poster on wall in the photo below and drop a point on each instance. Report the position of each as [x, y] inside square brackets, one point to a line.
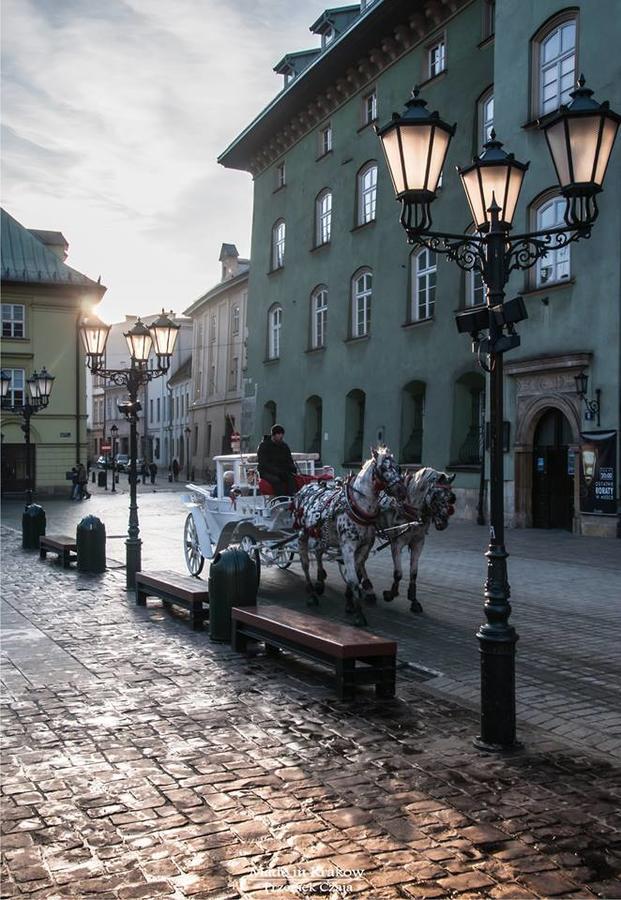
[598, 472]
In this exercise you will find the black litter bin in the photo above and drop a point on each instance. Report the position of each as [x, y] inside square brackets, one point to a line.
[101, 479]
[33, 526]
[91, 545]
[232, 582]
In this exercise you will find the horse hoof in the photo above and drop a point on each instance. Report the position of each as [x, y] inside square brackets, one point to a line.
[360, 622]
[370, 599]
[388, 596]
[312, 601]
[415, 607]
[319, 588]
[349, 610]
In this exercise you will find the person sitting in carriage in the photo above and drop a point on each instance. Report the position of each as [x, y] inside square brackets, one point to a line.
[276, 464]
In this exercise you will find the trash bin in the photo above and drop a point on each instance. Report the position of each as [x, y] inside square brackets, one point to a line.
[101, 478]
[33, 526]
[232, 582]
[91, 545]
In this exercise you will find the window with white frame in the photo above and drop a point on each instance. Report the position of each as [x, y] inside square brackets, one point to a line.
[556, 264]
[362, 294]
[323, 217]
[328, 36]
[12, 320]
[436, 58]
[278, 244]
[274, 327]
[369, 107]
[486, 117]
[475, 289]
[556, 66]
[15, 393]
[281, 176]
[325, 140]
[367, 193]
[424, 274]
[235, 320]
[319, 317]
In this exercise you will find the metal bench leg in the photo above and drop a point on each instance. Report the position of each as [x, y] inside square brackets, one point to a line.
[141, 597]
[196, 615]
[66, 559]
[272, 650]
[239, 641]
[385, 685]
[42, 553]
[345, 678]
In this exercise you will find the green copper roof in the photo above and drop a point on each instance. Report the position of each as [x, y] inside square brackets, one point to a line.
[24, 258]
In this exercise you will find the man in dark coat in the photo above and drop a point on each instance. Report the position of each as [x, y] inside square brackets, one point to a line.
[276, 463]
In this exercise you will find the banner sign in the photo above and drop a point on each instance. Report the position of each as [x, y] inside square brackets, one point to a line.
[598, 472]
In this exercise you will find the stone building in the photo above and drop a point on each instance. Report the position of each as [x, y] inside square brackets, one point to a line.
[352, 336]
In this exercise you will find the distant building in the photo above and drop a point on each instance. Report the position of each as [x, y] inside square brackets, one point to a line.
[219, 336]
[42, 301]
[352, 336]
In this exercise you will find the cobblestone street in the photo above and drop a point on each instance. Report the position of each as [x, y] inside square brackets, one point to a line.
[143, 760]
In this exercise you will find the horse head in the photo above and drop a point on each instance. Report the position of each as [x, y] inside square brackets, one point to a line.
[387, 473]
[430, 492]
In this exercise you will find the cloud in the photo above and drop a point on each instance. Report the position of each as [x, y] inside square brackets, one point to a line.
[115, 112]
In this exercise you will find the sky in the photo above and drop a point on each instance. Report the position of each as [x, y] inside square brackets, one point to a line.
[113, 115]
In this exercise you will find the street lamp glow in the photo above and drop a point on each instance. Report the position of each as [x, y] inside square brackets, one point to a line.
[139, 341]
[94, 334]
[494, 175]
[164, 332]
[6, 384]
[33, 385]
[45, 383]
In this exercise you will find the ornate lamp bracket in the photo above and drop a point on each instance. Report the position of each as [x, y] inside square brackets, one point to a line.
[468, 251]
[524, 250]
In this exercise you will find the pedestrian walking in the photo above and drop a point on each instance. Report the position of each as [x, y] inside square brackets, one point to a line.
[175, 469]
[82, 482]
[152, 472]
[144, 471]
[75, 489]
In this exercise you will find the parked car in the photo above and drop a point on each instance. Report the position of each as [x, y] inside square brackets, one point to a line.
[121, 462]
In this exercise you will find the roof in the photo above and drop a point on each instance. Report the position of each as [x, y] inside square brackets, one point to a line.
[27, 260]
[182, 373]
[227, 250]
[52, 238]
[329, 16]
[297, 61]
[220, 288]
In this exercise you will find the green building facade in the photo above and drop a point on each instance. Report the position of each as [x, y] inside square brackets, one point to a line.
[351, 335]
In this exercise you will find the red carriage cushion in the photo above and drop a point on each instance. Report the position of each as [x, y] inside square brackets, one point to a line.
[300, 480]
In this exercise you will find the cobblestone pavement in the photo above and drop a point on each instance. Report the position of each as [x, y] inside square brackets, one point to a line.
[142, 760]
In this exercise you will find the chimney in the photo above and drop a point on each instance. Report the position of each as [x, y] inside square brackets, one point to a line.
[229, 259]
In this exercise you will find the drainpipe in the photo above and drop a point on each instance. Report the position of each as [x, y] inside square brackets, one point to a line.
[77, 388]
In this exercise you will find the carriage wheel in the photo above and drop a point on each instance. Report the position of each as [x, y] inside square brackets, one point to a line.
[284, 558]
[194, 559]
[249, 546]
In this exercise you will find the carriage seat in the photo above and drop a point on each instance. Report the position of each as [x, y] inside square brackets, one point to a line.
[266, 489]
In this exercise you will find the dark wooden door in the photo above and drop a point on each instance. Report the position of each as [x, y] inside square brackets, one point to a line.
[553, 487]
[14, 468]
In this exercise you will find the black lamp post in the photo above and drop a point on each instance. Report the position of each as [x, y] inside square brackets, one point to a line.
[580, 138]
[114, 430]
[160, 337]
[40, 387]
[187, 433]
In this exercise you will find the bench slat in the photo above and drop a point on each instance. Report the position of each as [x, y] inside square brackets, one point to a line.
[58, 541]
[329, 638]
[182, 586]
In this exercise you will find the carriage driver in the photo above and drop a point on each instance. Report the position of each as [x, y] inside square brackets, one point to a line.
[276, 463]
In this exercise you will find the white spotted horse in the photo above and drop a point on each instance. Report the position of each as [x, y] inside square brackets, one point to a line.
[343, 518]
[430, 498]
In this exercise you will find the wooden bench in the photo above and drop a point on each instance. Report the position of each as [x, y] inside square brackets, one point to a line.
[61, 544]
[175, 590]
[357, 656]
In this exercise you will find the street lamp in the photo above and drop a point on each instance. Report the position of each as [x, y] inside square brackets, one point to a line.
[39, 387]
[187, 433]
[114, 430]
[592, 406]
[160, 338]
[580, 138]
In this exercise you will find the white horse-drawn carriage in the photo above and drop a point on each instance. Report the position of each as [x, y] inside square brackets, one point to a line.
[241, 510]
[334, 519]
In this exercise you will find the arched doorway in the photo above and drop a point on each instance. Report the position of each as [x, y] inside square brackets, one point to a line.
[354, 427]
[553, 480]
[412, 414]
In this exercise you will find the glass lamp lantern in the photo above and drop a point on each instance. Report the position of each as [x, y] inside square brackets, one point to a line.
[5, 380]
[139, 342]
[45, 384]
[494, 175]
[164, 332]
[94, 334]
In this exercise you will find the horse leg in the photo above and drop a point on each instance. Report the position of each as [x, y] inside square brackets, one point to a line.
[305, 562]
[364, 580]
[396, 548]
[321, 574]
[416, 548]
[352, 593]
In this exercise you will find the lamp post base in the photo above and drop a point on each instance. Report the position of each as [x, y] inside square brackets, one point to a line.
[480, 744]
[133, 562]
[497, 648]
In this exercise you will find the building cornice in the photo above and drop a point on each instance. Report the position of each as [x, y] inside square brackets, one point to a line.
[217, 291]
[378, 39]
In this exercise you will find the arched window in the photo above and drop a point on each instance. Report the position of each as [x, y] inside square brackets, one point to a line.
[475, 289]
[468, 435]
[278, 244]
[274, 325]
[486, 116]
[354, 427]
[313, 413]
[367, 193]
[412, 415]
[319, 316]
[323, 217]
[424, 271]
[362, 293]
[555, 266]
[555, 49]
